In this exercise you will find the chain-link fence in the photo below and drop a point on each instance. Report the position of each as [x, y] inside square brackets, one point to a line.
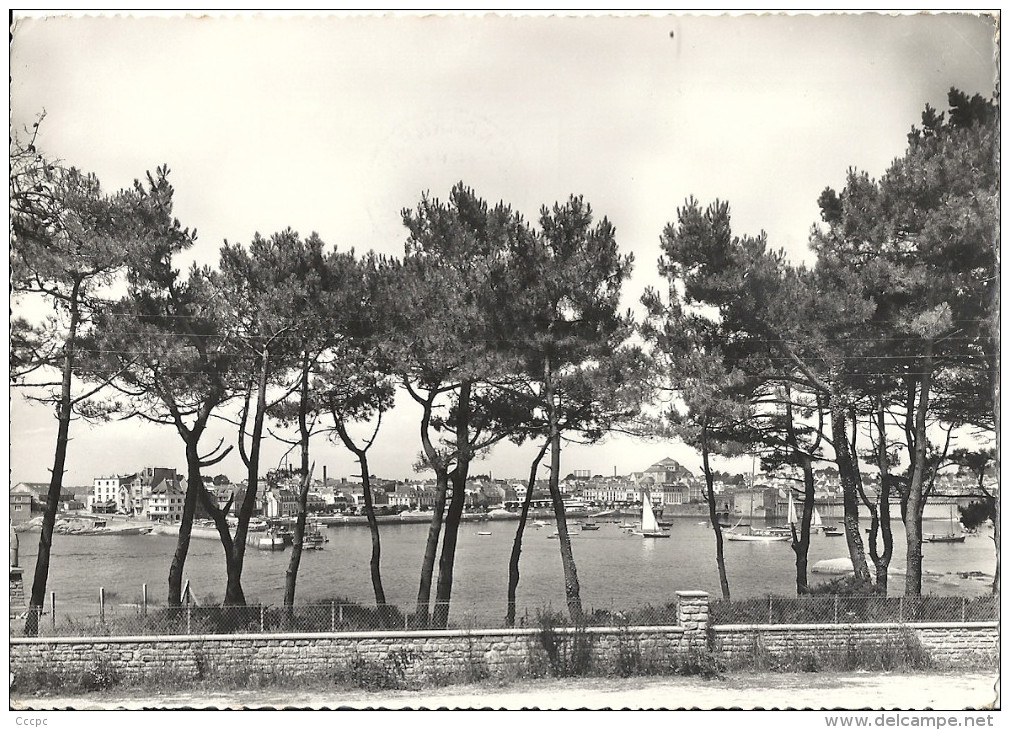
[126, 619]
[855, 609]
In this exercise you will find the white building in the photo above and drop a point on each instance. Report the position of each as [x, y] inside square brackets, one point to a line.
[128, 494]
[107, 493]
[165, 501]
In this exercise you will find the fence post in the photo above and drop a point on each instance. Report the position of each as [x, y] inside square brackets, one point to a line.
[101, 604]
[340, 612]
[263, 618]
[144, 602]
[333, 616]
[836, 608]
[901, 609]
[189, 618]
[769, 609]
[964, 608]
[52, 606]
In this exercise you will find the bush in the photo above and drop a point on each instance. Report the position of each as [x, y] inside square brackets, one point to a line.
[390, 673]
[569, 654]
[846, 585]
[698, 662]
[99, 675]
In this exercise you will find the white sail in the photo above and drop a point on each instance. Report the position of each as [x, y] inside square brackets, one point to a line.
[649, 523]
[817, 519]
[792, 510]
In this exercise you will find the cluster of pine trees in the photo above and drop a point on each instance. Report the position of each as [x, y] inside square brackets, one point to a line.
[874, 357]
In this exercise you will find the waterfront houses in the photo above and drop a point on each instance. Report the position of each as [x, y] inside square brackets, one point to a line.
[130, 494]
[280, 502]
[21, 499]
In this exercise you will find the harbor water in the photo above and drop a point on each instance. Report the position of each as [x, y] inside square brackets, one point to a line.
[616, 569]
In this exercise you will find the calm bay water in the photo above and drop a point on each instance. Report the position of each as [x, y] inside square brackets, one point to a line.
[616, 570]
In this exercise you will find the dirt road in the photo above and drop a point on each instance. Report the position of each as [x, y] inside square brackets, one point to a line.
[861, 690]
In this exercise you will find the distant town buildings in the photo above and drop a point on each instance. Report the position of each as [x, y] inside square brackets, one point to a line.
[158, 493]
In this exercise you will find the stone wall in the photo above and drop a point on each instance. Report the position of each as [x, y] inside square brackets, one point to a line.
[476, 654]
[947, 644]
[402, 655]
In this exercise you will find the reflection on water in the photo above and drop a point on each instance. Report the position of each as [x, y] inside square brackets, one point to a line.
[615, 569]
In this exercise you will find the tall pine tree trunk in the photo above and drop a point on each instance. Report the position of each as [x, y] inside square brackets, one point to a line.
[801, 541]
[422, 611]
[996, 538]
[916, 501]
[720, 557]
[233, 593]
[572, 597]
[294, 562]
[882, 561]
[447, 560]
[517, 542]
[373, 528]
[64, 412]
[850, 497]
[194, 483]
[245, 509]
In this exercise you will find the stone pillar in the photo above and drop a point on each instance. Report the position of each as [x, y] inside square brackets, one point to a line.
[692, 610]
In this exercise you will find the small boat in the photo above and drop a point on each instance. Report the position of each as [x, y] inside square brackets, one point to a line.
[270, 541]
[628, 526]
[750, 537]
[816, 522]
[944, 538]
[539, 523]
[589, 526]
[313, 539]
[829, 531]
[650, 525]
[774, 531]
[950, 536]
[728, 525]
[664, 524]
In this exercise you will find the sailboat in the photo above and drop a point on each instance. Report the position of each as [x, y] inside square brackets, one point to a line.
[816, 522]
[650, 526]
[950, 536]
[770, 535]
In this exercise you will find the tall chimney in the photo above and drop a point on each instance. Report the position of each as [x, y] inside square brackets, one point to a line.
[324, 475]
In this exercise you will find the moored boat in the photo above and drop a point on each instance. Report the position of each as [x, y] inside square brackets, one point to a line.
[751, 537]
[650, 525]
[944, 538]
[270, 541]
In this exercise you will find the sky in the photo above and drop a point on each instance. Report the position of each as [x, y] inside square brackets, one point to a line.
[335, 124]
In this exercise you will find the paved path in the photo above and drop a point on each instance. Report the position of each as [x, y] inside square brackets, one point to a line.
[861, 690]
